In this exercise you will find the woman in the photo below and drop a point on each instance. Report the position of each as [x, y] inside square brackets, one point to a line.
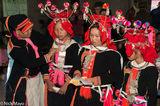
[101, 66]
[24, 79]
[66, 63]
[140, 81]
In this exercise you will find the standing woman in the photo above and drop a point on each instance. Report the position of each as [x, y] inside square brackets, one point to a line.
[24, 84]
[101, 66]
[140, 81]
[66, 63]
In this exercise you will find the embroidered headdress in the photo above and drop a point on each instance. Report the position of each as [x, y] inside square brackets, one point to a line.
[17, 22]
[106, 7]
[137, 39]
[119, 21]
[61, 15]
[104, 26]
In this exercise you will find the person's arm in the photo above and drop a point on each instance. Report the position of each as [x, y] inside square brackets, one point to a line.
[22, 57]
[116, 73]
[44, 69]
[115, 76]
[43, 42]
[75, 60]
[151, 80]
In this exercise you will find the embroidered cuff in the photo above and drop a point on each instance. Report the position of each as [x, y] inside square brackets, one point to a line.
[77, 72]
[97, 80]
[47, 58]
[67, 78]
[46, 76]
[114, 101]
[127, 70]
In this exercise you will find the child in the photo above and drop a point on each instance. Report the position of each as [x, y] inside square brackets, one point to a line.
[140, 81]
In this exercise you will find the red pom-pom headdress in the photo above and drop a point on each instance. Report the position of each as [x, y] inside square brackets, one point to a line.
[61, 15]
[104, 25]
[67, 26]
[53, 12]
[106, 7]
[118, 21]
[137, 39]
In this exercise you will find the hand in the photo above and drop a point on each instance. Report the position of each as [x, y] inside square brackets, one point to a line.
[63, 89]
[77, 76]
[50, 85]
[52, 52]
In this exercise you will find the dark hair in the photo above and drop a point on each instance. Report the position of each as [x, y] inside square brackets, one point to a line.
[96, 25]
[135, 1]
[110, 12]
[143, 4]
[103, 10]
[98, 4]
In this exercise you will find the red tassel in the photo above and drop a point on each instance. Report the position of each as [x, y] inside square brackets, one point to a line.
[109, 99]
[85, 92]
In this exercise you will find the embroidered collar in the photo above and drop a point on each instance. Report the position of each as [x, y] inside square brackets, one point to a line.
[59, 42]
[141, 65]
[62, 46]
[91, 47]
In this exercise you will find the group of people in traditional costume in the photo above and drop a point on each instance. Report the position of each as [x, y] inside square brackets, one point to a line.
[70, 74]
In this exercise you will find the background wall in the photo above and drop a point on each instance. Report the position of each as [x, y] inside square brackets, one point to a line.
[41, 21]
[1, 14]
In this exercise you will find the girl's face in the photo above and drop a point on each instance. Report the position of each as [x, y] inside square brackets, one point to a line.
[97, 10]
[61, 34]
[103, 13]
[136, 55]
[95, 37]
[132, 57]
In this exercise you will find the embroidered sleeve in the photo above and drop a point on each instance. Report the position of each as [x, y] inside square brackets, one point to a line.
[67, 78]
[47, 58]
[46, 76]
[97, 80]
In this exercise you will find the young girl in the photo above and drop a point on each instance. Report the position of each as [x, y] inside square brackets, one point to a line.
[157, 47]
[66, 63]
[101, 67]
[140, 81]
